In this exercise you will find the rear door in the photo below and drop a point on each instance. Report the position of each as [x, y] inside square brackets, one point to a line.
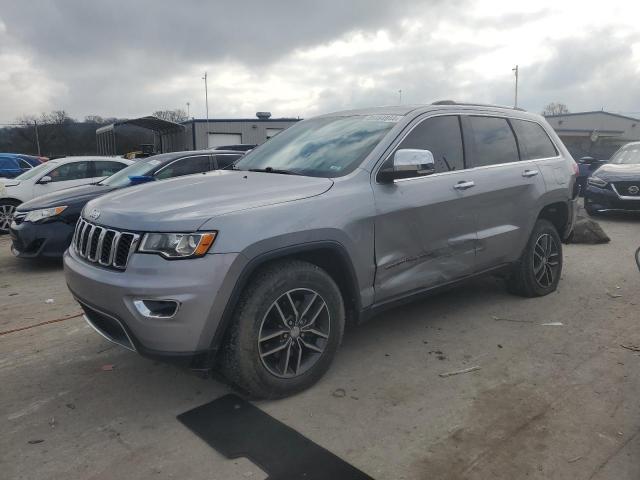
[424, 226]
[506, 190]
[105, 168]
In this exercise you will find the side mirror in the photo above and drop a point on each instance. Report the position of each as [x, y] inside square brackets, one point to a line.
[46, 179]
[408, 163]
[139, 179]
[586, 160]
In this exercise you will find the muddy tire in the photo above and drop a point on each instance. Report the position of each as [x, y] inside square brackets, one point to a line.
[7, 207]
[538, 271]
[285, 331]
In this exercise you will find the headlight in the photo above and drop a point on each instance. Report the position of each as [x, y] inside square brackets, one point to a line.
[177, 245]
[37, 215]
[597, 182]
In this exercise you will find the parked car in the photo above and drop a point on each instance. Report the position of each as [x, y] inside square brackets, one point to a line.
[43, 227]
[256, 270]
[239, 147]
[13, 164]
[615, 187]
[51, 177]
[586, 166]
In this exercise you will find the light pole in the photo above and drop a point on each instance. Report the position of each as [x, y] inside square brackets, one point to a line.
[188, 105]
[399, 97]
[206, 101]
[35, 124]
[515, 70]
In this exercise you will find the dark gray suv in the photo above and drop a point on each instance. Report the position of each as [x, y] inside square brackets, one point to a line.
[256, 270]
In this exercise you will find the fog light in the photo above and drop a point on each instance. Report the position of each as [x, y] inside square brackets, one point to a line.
[156, 308]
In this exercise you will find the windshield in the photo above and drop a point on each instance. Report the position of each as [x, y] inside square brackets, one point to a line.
[35, 171]
[321, 147]
[627, 156]
[121, 178]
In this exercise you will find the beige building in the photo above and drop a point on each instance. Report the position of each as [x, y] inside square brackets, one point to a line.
[595, 134]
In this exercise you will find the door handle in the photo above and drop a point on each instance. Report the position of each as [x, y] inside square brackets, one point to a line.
[529, 173]
[464, 185]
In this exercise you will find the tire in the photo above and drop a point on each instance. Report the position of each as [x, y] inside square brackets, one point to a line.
[7, 207]
[538, 271]
[254, 356]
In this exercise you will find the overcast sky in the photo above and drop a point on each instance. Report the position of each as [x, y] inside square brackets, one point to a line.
[127, 58]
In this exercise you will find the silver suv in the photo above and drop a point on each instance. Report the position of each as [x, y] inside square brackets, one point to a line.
[256, 270]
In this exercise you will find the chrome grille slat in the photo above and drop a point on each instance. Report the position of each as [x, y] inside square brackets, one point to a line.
[104, 246]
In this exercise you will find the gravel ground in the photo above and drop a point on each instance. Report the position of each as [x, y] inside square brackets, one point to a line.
[549, 402]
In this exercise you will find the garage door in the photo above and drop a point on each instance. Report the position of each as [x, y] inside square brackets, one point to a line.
[217, 139]
[272, 132]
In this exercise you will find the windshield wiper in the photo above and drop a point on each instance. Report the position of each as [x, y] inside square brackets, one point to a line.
[274, 170]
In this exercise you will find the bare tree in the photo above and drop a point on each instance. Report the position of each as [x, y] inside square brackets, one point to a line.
[178, 115]
[555, 108]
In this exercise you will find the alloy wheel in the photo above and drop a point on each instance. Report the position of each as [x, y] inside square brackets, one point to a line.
[6, 216]
[546, 260]
[294, 333]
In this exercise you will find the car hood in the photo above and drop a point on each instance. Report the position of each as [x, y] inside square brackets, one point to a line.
[9, 182]
[185, 203]
[615, 172]
[73, 196]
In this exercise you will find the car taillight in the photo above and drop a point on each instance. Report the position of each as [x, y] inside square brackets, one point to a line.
[576, 169]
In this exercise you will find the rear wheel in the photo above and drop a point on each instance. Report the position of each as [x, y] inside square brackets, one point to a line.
[286, 329]
[537, 273]
[7, 209]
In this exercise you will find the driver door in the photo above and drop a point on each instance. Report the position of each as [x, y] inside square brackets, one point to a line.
[67, 175]
[425, 232]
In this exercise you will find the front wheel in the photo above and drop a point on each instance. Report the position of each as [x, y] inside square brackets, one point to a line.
[537, 273]
[286, 329]
[7, 209]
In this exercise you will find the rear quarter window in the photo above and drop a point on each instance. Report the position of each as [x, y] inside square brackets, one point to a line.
[533, 140]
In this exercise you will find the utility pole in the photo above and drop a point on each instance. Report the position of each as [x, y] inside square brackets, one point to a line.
[35, 123]
[400, 97]
[188, 105]
[515, 70]
[206, 101]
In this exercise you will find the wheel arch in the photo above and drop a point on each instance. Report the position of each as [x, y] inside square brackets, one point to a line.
[329, 255]
[558, 214]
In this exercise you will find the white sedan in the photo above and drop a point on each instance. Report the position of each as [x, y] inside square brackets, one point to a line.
[53, 176]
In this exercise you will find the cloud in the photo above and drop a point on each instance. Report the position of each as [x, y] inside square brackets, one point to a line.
[300, 58]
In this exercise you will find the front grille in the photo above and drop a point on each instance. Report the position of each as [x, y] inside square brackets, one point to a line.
[19, 217]
[623, 188]
[104, 246]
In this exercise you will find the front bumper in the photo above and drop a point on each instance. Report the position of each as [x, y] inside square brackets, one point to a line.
[200, 286]
[48, 239]
[606, 200]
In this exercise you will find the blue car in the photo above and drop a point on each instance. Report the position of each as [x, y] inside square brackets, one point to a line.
[14, 164]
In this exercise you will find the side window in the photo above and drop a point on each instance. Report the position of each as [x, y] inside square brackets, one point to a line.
[533, 140]
[442, 136]
[25, 165]
[493, 140]
[225, 160]
[185, 166]
[71, 171]
[106, 169]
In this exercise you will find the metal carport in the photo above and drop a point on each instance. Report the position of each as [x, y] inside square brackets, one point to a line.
[167, 136]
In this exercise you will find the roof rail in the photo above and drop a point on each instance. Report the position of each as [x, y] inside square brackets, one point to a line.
[453, 102]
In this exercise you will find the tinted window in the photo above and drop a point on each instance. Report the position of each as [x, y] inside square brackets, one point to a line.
[533, 140]
[442, 136]
[493, 140]
[224, 160]
[24, 164]
[106, 169]
[71, 171]
[185, 166]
